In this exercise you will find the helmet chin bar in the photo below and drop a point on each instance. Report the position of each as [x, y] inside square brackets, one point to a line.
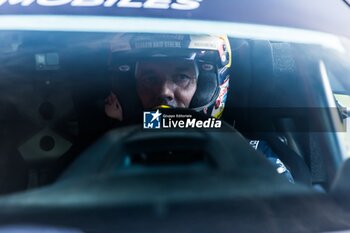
[211, 103]
[207, 89]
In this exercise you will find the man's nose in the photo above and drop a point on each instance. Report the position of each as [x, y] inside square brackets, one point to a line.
[167, 90]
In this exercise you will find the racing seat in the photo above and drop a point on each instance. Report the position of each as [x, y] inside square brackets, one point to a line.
[257, 90]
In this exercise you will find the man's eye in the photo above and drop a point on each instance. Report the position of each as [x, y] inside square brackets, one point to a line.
[150, 80]
[182, 79]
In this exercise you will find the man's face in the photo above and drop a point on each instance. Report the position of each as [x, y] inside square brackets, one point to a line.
[170, 83]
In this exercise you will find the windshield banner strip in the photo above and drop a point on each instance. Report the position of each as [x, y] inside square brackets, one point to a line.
[154, 25]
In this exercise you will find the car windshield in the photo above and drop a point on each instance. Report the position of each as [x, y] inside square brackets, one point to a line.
[62, 89]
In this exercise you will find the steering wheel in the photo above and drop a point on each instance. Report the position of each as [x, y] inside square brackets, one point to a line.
[226, 149]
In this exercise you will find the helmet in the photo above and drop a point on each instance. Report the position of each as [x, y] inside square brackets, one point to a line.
[211, 55]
